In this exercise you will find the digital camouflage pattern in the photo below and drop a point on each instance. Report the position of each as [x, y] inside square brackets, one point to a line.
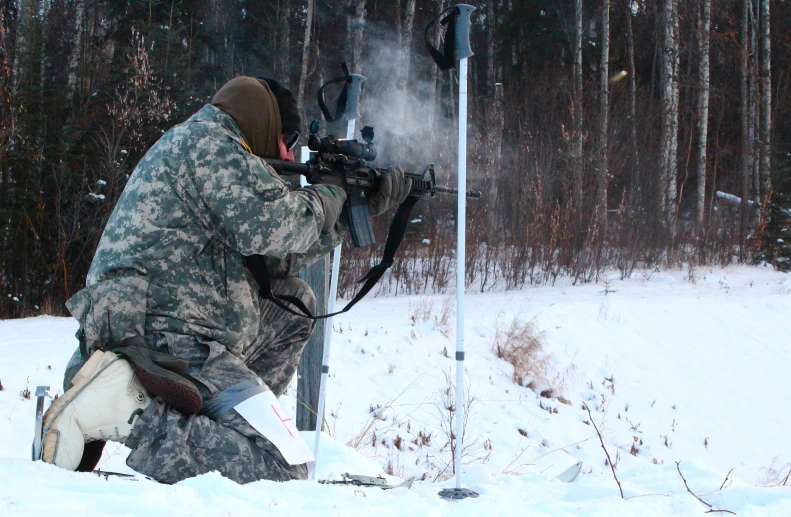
[169, 446]
[170, 267]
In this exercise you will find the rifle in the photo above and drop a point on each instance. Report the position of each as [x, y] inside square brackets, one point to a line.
[345, 163]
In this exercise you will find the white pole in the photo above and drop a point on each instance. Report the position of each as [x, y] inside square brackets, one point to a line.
[325, 361]
[461, 226]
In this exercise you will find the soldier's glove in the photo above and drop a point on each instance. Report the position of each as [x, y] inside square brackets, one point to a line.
[332, 199]
[393, 190]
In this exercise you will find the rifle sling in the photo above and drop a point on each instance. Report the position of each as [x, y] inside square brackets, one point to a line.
[257, 267]
[445, 60]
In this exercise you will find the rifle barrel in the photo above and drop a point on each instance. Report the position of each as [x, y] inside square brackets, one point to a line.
[284, 166]
[304, 169]
[473, 194]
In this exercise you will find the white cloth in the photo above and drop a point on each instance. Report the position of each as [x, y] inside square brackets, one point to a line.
[268, 417]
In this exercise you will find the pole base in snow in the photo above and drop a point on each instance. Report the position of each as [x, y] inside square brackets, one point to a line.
[456, 494]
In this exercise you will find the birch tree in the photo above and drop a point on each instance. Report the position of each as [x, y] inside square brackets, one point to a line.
[766, 102]
[76, 49]
[704, 23]
[669, 107]
[576, 153]
[604, 115]
[745, 105]
[354, 34]
[303, 74]
[495, 122]
[403, 60]
[753, 107]
[632, 104]
[284, 45]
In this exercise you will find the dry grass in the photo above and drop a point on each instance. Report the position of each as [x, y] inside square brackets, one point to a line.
[522, 344]
[363, 437]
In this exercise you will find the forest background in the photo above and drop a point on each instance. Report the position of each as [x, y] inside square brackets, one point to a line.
[605, 134]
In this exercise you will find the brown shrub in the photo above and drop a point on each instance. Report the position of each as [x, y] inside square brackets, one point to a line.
[521, 344]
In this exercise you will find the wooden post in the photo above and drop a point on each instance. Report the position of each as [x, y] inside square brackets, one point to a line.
[309, 370]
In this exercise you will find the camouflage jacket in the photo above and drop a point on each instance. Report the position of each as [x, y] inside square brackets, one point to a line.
[171, 257]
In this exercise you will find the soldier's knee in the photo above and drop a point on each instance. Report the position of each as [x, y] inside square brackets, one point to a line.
[297, 287]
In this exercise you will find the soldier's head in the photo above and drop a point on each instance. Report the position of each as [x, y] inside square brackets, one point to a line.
[265, 111]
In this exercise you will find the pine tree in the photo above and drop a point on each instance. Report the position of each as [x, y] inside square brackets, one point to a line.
[775, 242]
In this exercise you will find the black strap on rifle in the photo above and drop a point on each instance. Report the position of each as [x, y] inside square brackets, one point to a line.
[257, 267]
[446, 59]
[340, 108]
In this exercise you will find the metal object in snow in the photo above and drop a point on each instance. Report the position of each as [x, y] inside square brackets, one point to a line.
[41, 392]
[360, 480]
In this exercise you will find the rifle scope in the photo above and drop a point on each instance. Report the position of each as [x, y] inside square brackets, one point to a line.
[350, 148]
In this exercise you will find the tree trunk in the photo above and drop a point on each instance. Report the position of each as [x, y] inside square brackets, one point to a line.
[604, 115]
[704, 24]
[495, 127]
[76, 49]
[669, 100]
[354, 34]
[495, 120]
[766, 103]
[745, 109]
[401, 73]
[435, 93]
[576, 153]
[754, 161]
[303, 75]
[285, 41]
[635, 190]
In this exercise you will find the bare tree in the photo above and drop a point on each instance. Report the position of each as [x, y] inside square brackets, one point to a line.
[753, 108]
[435, 94]
[766, 102]
[354, 34]
[604, 114]
[303, 75]
[576, 153]
[704, 23]
[632, 103]
[403, 60]
[76, 49]
[669, 95]
[495, 122]
[284, 45]
[745, 107]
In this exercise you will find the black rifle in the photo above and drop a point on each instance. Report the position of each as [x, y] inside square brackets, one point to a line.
[345, 163]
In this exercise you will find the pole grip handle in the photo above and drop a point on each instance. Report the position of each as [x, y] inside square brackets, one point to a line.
[463, 23]
[353, 96]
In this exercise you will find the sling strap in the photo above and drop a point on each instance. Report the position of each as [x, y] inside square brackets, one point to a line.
[257, 266]
[446, 59]
[340, 108]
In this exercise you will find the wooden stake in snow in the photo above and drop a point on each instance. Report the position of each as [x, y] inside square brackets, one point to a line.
[351, 114]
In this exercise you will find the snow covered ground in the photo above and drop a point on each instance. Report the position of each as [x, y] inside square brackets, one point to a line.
[673, 368]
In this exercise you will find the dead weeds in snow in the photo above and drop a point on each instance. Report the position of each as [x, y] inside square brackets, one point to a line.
[522, 344]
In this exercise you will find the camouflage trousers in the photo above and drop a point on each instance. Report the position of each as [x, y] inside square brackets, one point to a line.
[169, 446]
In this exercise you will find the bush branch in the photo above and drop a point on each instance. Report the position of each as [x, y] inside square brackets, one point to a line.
[686, 485]
[785, 479]
[601, 441]
[726, 478]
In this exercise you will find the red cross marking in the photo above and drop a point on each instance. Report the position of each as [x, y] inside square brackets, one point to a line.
[282, 420]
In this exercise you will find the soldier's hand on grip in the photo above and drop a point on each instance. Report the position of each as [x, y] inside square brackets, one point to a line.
[393, 189]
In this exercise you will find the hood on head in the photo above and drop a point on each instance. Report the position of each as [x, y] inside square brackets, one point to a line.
[287, 102]
[254, 108]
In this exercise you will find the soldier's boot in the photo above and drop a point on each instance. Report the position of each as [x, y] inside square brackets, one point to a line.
[104, 403]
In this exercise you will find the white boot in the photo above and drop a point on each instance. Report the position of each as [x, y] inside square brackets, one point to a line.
[104, 403]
